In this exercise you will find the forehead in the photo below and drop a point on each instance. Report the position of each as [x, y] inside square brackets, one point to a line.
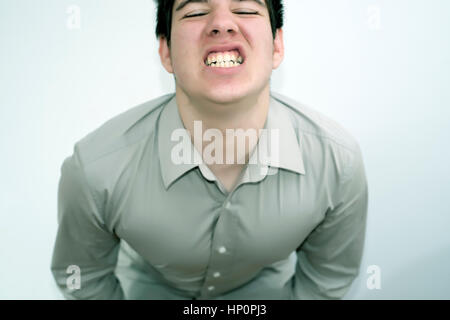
[180, 4]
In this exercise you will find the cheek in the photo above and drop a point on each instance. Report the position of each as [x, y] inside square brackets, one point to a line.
[184, 45]
[260, 39]
[184, 34]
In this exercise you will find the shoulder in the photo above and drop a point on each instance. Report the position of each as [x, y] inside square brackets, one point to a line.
[121, 131]
[104, 156]
[314, 124]
[326, 146]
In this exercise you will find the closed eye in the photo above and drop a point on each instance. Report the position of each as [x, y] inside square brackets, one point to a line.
[245, 12]
[194, 15]
[203, 13]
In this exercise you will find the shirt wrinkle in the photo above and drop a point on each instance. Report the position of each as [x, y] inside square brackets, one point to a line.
[290, 229]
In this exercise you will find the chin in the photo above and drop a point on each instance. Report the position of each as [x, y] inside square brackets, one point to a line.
[225, 99]
[226, 95]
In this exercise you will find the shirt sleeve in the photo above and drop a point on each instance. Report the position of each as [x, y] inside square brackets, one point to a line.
[83, 247]
[330, 257]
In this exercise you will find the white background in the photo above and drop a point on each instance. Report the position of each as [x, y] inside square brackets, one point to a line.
[380, 68]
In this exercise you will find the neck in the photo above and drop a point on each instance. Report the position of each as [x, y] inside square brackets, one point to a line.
[247, 113]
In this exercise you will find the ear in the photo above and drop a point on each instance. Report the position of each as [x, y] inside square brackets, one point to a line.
[164, 54]
[278, 48]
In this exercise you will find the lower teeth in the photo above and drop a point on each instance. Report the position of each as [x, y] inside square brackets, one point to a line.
[224, 65]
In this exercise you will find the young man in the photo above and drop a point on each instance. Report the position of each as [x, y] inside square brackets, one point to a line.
[144, 214]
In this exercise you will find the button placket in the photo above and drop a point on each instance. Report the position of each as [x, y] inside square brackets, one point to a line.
[222, 252]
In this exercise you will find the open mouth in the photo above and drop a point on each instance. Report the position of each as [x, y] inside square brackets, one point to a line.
[224, 59]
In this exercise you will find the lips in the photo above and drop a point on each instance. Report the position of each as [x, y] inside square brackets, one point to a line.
[224, 48]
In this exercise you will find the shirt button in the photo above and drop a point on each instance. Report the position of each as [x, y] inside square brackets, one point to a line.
[222, 250]
[211, 288]
[216, 274]
[227, 205]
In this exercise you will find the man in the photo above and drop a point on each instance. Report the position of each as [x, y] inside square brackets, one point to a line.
[140, 217]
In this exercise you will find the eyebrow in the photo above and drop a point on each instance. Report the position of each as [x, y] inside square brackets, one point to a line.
[185, 2]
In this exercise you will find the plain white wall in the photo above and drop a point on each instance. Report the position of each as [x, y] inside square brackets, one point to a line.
[380, 68]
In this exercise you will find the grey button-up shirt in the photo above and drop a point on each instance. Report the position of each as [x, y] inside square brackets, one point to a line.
[137, 225]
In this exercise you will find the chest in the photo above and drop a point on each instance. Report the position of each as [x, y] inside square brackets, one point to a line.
[180, 227]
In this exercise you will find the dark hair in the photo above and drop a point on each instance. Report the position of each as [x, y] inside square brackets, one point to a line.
[165, 8]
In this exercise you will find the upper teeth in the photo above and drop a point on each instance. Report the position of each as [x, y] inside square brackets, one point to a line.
[224, 59]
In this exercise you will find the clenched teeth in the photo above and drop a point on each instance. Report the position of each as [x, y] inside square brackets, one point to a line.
[226, 59]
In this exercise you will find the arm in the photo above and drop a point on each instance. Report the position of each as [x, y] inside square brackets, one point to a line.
[83, 239]
[330, 257]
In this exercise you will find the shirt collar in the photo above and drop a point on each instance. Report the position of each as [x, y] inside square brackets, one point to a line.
[171, 131]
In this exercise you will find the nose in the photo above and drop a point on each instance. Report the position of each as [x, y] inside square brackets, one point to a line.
[221, 23]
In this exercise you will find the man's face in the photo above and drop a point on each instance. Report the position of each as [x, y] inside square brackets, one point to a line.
[204, 33]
